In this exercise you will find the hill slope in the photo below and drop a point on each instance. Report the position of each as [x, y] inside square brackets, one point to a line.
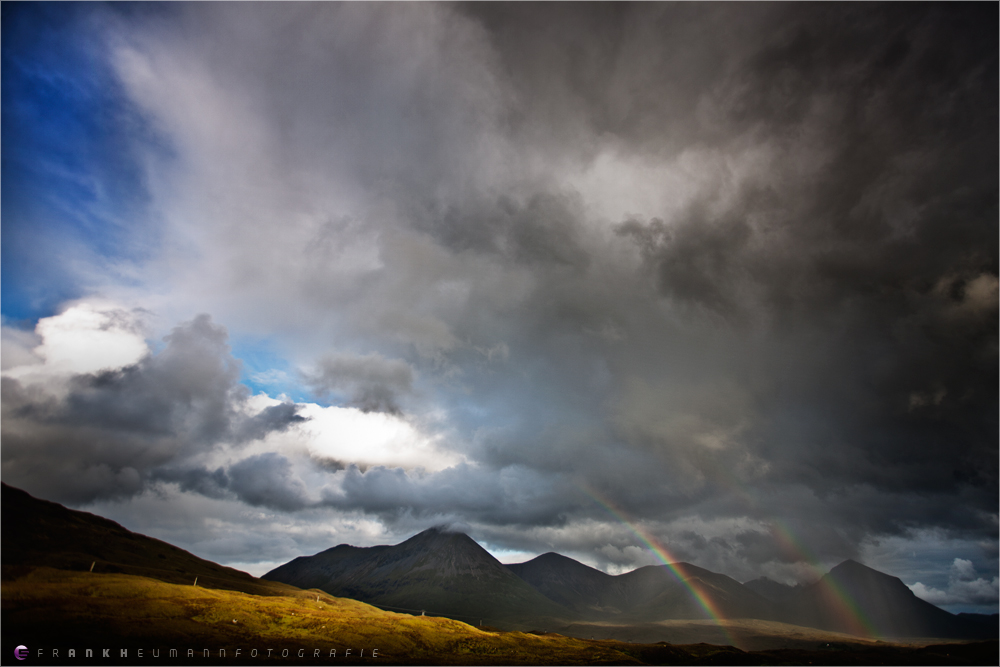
[42, 533]
[573, 584]
[130, 613]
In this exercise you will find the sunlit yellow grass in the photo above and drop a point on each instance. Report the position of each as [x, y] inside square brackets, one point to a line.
[132, 608]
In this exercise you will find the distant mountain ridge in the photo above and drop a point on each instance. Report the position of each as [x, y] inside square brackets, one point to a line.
[438, 571]
[572, 584]
[49, 550]
[853, 595]
[450, 574]
[646, 594]
[773, 590]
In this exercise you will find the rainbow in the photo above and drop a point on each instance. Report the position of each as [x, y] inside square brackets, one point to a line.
[665, 557]
[847, 608]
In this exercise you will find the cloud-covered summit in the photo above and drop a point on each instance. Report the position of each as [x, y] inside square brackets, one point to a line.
[731, 268]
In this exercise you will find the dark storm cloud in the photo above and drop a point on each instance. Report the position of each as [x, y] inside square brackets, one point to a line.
[490, 497]
[262, 480]
[850, 276]
[208, 483]
[371, 382]
[113, 430]
[890, 120]
[184, 390]
[267, 480]
[538, 231]
[511, 496]
[270, 419]
[813, 324]
[612, 71]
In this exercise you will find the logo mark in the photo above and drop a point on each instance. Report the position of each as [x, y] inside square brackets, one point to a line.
[21, 652]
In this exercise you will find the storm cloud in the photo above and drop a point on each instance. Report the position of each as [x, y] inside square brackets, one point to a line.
[106, 434]
[730, 270]
[371, 382]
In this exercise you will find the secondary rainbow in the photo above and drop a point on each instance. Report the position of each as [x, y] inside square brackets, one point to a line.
[665, 557]
[847, 608]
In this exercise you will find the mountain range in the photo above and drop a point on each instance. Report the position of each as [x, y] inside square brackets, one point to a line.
[445, 573]
[100, 584]
[448, 574]
[642, 595]
[437, 571]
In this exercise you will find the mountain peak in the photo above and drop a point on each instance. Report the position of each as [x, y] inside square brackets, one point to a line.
[440, 535]
[553, 557]
[440, 529]
[439, 569]
[861, 579]
[883, 603]
[852, 568]
[851, 563]
[553, 565]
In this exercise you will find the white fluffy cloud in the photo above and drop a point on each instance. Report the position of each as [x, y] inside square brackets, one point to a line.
[18, 348]
[86, 337]
[965, 587]
[341, 436]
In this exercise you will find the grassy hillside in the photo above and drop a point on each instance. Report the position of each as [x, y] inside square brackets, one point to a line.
[57, 609]
[38, 532]
[748, 634]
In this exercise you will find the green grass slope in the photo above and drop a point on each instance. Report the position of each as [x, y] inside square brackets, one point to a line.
[50, 608]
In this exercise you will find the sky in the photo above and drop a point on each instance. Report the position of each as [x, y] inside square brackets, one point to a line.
[277, 277]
